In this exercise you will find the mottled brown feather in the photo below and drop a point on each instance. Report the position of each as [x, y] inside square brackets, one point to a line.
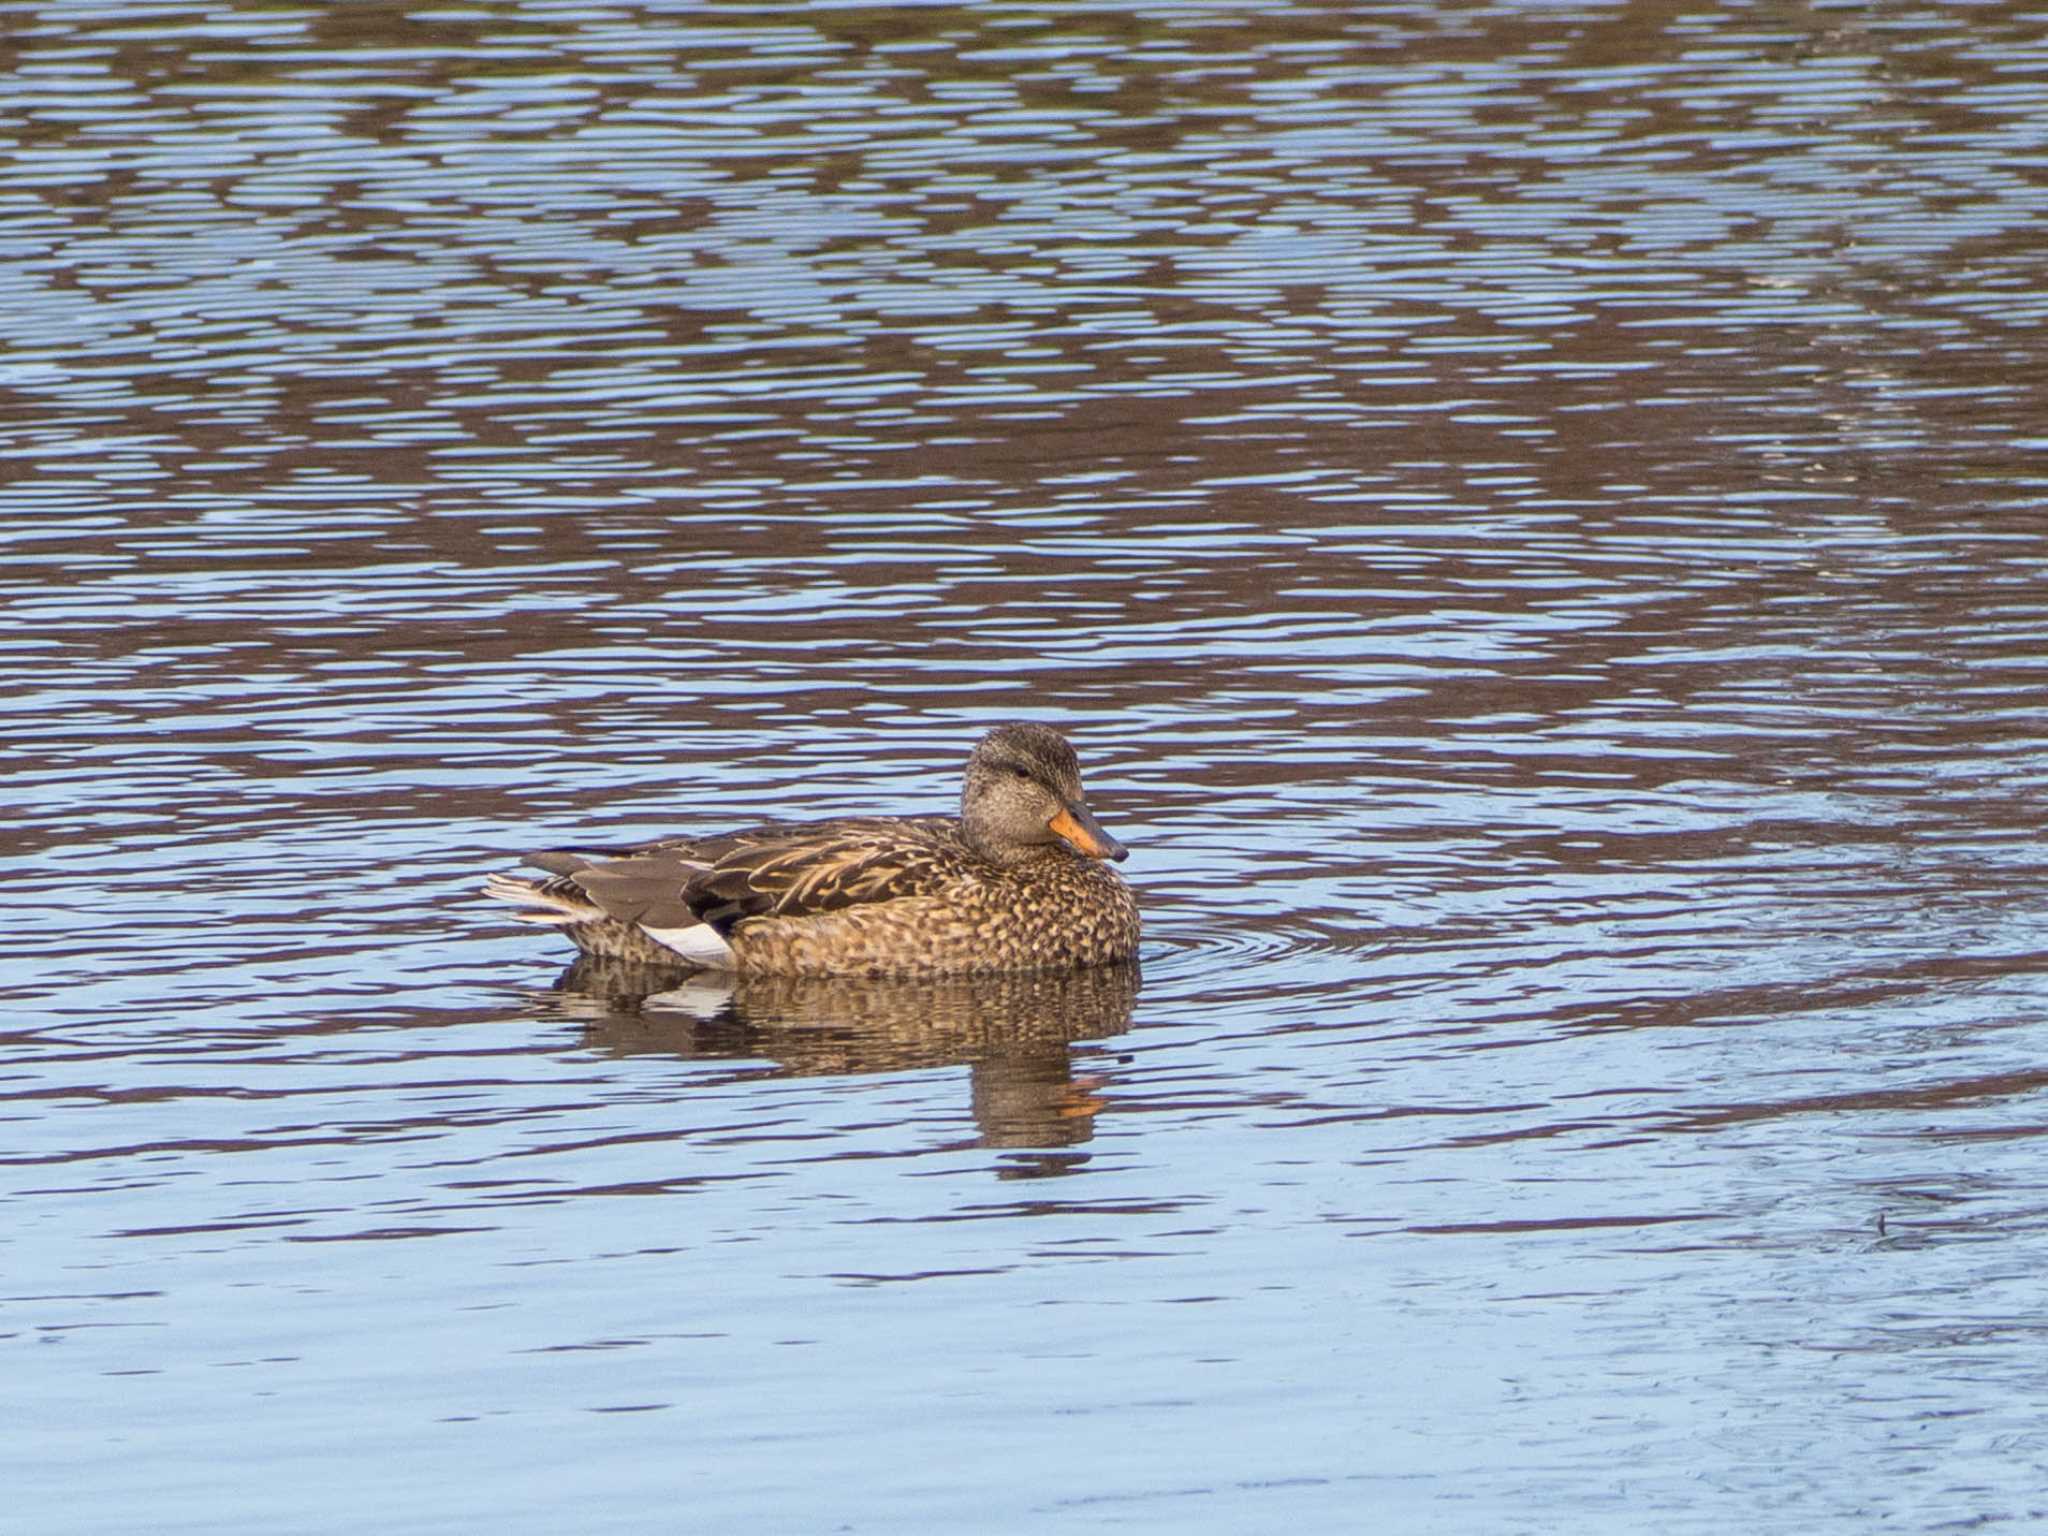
[827, 869]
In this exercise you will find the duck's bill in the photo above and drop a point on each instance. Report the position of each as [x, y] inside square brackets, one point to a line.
[1083, 831]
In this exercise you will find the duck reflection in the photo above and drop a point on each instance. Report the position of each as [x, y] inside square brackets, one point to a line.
[1014, 1033]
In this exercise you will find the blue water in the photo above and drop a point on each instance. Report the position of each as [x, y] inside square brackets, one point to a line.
[1533, 518]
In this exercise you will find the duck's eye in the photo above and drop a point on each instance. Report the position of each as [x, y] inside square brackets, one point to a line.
[1021, 773]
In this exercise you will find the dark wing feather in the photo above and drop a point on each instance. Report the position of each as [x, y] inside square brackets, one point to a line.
[650, 889]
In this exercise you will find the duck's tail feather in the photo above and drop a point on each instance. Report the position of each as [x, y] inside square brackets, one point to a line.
[554, 903]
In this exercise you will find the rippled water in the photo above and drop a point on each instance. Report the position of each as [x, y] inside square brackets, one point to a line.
[1535, 516]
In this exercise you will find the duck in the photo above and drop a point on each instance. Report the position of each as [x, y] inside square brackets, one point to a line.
[1018, 881]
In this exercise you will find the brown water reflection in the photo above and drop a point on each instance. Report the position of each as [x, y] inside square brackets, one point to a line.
[1013, 1033]
[1536, 510]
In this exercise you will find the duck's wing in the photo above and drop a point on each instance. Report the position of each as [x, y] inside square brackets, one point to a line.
[786, 869]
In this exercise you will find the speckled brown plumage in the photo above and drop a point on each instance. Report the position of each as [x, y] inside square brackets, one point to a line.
[1006, 886]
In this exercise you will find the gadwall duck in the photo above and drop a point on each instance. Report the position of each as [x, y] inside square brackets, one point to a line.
[1016, 882]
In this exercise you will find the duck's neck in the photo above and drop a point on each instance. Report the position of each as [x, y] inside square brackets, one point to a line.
[1002, 852]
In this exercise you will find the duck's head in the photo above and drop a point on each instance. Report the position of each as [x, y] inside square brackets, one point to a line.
[1023, 793]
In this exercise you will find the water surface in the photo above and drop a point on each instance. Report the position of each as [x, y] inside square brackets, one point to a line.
[1533, 516]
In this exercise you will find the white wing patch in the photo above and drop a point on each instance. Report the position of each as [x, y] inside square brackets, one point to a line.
[700, 944]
